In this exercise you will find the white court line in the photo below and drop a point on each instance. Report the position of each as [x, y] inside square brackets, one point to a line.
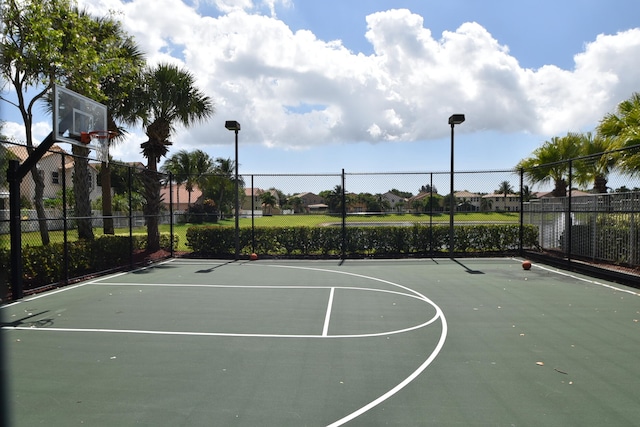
[218, 334]
[177, 285]
[412, 376]
[582, 279]
[439, 315]
[63, 289]
[327, 317]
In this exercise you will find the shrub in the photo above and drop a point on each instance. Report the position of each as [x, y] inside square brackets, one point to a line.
[359, 241]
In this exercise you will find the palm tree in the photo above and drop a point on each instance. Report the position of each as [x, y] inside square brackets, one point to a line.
[296, 203]
[505, 189]
[624, 127]
[179, 166]
[122, 79]
[167, 97]
[549, 163]
[486, 204]
[599, 158]
[203, 166]
[334, 199]
[268, 200]
[188, 168]
[221, 183]
[526, 194]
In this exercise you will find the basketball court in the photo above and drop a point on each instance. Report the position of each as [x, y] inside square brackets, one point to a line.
[442, 342]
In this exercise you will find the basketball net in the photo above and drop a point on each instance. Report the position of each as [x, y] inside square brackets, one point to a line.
[100, 139]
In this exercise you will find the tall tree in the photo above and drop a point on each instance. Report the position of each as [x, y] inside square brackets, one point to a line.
[598, 159]
[220, 185]
[47, 42]
[624, 127]
[180, 167]
[118, 85]
[505, 189]
[268, 200]
[42, 42]
[333, 199]
[549, 163]
[167, 97]
[188, 168]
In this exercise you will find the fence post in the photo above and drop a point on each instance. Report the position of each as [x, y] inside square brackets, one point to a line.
[130, 179]
[65, 219]
[253, 224]
[567, 221]
[431, 213]
[521, 232]
[171, 214]
[344, 219]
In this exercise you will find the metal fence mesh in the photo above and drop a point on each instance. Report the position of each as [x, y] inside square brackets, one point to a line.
[60, 205]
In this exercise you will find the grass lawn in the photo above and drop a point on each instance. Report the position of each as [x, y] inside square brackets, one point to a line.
[33, 238]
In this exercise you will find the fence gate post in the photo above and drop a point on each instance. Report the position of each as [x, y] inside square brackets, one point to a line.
[171, 250]
[521, 235]
[344, 219]
[567, 223]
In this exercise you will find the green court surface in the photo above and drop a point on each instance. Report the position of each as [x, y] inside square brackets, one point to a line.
[432, 342]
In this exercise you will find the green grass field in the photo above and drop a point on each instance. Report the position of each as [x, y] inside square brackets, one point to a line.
[33, 238]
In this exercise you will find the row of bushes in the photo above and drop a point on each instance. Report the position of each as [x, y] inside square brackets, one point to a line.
[619, 244]
[44, 265]
[359, 241]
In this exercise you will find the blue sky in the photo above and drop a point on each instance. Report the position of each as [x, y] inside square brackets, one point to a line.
[368, 86]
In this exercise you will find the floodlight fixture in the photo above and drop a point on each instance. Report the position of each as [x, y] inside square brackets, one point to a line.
[456, 119]
[233, 125]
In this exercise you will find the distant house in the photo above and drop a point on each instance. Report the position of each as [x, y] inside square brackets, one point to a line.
[179, 196]
[417, 200]
[51, 169]
[397, 203]
[253, 198]
[318, 208]
[499, 202]
[310, 202]
[574, 193]
[468, 201]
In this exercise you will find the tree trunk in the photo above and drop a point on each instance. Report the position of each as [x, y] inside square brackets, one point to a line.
[600, 184]
[39, 206]
[560, 189]
[152, 208]
[107, 209]
[81, 185]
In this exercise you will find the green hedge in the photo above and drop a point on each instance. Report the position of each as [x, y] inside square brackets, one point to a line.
[367, 241]
[43, 265]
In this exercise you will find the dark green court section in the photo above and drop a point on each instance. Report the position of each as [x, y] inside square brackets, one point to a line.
[206, 343]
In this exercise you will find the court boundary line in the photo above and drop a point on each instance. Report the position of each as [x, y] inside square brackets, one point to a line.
[581, 279]
[180, 285]
[327, 317]
[414, 374]
[439, 314]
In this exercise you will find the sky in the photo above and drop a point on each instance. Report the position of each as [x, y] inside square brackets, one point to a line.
[369, 85]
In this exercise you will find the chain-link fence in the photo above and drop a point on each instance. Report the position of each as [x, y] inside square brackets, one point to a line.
[72, 218]
[77, 217]
[590, 213]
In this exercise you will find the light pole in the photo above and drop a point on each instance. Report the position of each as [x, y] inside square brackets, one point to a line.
[455, 119]
[235, 126]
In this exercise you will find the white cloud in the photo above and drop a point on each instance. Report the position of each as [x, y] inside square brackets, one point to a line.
[256, 69]
[15, 131]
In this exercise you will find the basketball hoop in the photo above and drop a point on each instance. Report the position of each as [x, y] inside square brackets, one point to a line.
[100, 139]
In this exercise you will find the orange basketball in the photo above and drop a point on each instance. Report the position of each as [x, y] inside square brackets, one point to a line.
[253, 257]
[526, 265]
